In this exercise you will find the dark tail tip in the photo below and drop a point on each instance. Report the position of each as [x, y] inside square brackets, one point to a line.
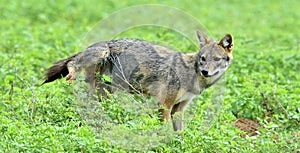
[58, 70]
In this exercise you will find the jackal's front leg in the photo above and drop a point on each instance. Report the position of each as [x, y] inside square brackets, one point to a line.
[177, 115]
[166, 103]
[165, 114]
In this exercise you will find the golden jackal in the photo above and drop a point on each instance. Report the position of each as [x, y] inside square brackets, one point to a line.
[172, 78]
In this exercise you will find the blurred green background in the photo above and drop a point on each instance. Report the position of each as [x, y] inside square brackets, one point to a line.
[262, 84]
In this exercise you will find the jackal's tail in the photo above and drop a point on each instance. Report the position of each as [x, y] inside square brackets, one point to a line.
[59, 69]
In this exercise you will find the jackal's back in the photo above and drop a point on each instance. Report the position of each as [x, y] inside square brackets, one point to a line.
[151, 68]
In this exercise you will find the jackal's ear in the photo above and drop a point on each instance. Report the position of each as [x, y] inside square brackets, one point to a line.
[203, 40]
[227, 42]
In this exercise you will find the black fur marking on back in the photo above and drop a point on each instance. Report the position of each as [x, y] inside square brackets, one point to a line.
[151, 78]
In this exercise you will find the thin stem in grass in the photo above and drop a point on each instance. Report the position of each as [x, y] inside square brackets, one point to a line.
[278, 102]
[32, 99]
[11, 93]
[120, 69]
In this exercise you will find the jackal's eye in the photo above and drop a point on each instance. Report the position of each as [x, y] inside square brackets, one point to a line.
[227, 58]
[203, 58]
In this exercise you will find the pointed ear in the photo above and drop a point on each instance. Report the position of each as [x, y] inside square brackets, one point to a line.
[202, 39]
[227, 42]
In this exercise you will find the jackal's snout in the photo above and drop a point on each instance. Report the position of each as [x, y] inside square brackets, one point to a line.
[206, 73]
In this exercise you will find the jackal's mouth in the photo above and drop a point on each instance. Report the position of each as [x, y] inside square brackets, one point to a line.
[207, 75]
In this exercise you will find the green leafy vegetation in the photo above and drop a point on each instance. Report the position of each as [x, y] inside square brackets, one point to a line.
[262, 85]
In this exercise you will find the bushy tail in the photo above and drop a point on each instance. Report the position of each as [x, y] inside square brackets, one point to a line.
[59, 69]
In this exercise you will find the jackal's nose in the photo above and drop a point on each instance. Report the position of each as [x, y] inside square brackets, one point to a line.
[204, 72]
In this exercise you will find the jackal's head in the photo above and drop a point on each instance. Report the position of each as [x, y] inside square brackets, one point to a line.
[214, 57]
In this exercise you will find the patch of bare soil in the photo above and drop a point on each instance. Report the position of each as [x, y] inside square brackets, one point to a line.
[249, 126]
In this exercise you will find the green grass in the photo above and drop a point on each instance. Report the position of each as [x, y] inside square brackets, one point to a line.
[262, 84]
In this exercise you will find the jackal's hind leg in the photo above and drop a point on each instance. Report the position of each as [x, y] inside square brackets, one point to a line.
[72, 71]
[90, 76]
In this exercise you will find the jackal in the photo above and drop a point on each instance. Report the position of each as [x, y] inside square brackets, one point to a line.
[172, 78]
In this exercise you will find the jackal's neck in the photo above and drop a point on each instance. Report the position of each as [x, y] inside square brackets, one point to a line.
[207, 82]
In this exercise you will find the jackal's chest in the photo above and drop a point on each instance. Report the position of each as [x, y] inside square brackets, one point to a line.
[187, 96]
